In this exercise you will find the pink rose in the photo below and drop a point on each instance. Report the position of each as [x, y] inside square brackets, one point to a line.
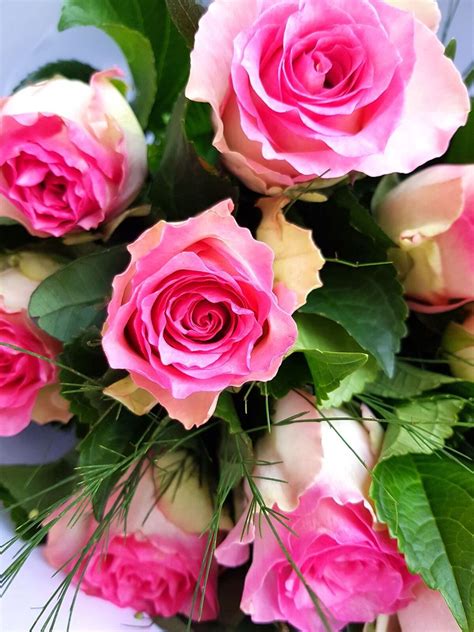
[195, 313]
[151, 564]
[348, 560]
[430, 216]
[458, 344]
[72, 155]
[305, 89]
[29, 388]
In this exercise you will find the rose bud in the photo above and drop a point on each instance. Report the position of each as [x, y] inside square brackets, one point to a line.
[458, 344]
[195, 313]
[29, 388]
[151, 562]
[430, 216]
[72, 155]
[304, 93]
[315, 475]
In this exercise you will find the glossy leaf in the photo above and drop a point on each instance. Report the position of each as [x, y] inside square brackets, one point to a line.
[69, 68]
[421, 426]
[408, 381]
[74, 298]
[186, 15]
[368, 303]
[183, 185]
[428, 505]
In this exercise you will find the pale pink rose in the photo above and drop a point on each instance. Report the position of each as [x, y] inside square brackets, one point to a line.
[458, 344]
[348, 560]
[430, 216]
[151, 564]
[195, 313]
[427, 612]
[29, 388]
[72, 155]
[302, 89]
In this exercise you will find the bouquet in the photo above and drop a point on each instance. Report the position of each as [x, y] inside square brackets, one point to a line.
[245, 280]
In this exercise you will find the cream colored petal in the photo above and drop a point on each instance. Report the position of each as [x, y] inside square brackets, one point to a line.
[423, 205]
[50, 406]
[15, 290]
[184, 498]
[425, 279]
[374, 428]
[427, 11]
[108, 228]
[458, 344]
[136, 399]
[35, 266]
[297, 259]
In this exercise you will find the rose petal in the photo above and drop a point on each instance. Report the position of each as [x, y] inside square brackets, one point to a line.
[297, 258]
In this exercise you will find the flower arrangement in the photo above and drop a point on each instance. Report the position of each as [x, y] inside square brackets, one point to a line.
[250, 291]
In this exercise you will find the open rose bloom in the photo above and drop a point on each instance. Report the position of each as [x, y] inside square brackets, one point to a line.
[302, 89]
[317, 480]
[29, 386]
[195, 312]
[72, 155]
[152, 562]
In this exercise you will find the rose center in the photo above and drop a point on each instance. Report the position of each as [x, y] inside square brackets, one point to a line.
[206, 321]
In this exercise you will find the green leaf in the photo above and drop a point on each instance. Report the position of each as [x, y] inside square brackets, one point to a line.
[368, 303]
[353, 384]
[450, 50]
[69, 68]
[85, 356]
[183, 186]
[155, 52]
[428, 505]
[329, 368]
[199, 130]
[123, 23]
[172, 62]
[74, 298]
[226, 411]
[408, 381]
[37, 487]
[332, 355]
[186, 15]
[104, 447]
[363, 222]
[461, 148]
[469, 76]
[293, 373]
[421, 426]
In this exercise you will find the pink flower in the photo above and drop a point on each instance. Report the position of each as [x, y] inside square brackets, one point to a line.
[72, 155]
[349, 561]
[195, 313]
[302, 89]
[152, 563]
[430, 216]
[29, 388]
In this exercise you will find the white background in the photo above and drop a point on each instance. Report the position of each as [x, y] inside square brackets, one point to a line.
[28, 39]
